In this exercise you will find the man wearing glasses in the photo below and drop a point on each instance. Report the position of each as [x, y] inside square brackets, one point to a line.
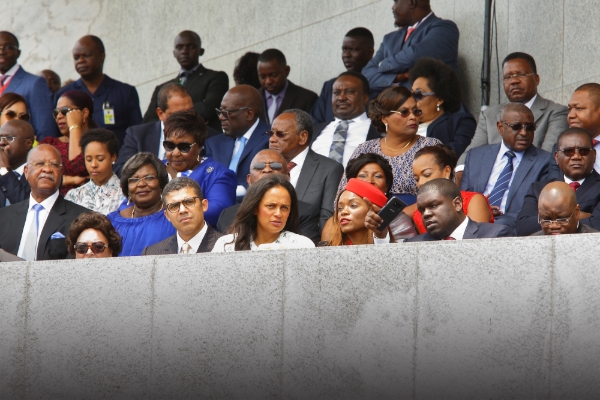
[184, 207]
[34, 89]
[16, 139]
[575, 157]
[504, 171]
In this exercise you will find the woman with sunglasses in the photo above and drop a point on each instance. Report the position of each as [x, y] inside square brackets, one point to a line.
[13, 106]
[438, 93]
[93, 236]
[102, 193]
[185, 134]
[142, 223]
[394, 113]
[73, 115]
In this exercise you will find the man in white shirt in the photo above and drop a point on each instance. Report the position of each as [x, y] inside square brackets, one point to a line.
[351, 126]
[16, 139]
[184, 208]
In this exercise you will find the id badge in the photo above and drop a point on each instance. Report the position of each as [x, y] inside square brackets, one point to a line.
[109, 116]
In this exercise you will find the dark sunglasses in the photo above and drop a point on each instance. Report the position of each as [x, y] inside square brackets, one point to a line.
[405, 112]
[63, 110]
[519, 126]
[262, 165]
[570, 151]
[10, 114]
[183, 147]
[279, 134]
[97, 247]
[419, 94]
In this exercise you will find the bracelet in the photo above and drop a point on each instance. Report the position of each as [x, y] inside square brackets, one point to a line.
[74, 127]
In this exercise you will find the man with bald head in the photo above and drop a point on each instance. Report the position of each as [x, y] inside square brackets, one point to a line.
[205, 86]
[265, 163]
[558, 211]
[44, 219]
[504, 171]
[243, 133]
[116, 104]
[16, 139]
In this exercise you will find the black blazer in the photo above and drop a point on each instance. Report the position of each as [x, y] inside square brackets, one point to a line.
[588, 198]
[13, 188]
[169, 245]
[455, 130]
[206, 87]
[60, 217]
[295, 97]
[475, 230]
[309, 220]
[371, 134]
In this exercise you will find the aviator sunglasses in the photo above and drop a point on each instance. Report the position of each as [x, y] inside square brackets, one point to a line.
[97, 247]
[10, 114]
[262, 165]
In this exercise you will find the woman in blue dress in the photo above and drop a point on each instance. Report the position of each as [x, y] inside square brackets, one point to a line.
[185, 134]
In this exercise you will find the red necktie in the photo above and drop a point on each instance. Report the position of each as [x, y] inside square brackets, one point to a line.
[449, 238]
[291, 165]
[408, 32]
[575, 185]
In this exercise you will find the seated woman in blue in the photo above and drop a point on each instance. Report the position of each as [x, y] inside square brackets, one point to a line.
[143, 223]
[185, 134]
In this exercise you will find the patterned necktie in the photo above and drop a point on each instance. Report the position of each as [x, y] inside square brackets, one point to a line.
[235, 160]
[291, 165]
[495, 197]
[185, 248]
[336, 151]
[183, 77]
[3, 78]
[595, 142]
[409, 31]
[30, 249]
[575, 185]
[272, 108]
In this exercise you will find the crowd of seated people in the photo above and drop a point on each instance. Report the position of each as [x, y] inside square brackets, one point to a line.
[386, 153]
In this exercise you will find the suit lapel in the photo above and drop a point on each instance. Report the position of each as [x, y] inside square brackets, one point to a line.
[171, 246]
[13, 241]
[55, 219]
[257, 138]
[487, 164]
[538, 107]
[589, 188]
[15, 81]
[471, 230]
[208, 241]
[194, 78]
[153, 138]
[521, 173]
[288, 99]
[311, 163]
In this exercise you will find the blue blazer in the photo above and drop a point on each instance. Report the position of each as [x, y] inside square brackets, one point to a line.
[534, 167]
[455, 130]
[435, 37]
[39, 101]
[220, 148]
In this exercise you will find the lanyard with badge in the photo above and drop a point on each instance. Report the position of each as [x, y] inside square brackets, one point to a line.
[109, 113]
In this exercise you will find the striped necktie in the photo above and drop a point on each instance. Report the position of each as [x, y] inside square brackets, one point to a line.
[336, 151]
[495, 197]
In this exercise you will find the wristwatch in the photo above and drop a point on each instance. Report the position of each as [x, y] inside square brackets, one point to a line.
[3, 171]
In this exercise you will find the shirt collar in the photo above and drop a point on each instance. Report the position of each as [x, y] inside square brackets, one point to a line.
[193, 242]
[11, 71]
[421, 21]
[361, 118]
[48, 203]
[188, 71]
[459, 232]
[251, 130]
[530, 102]
[280, 94]
[299, 159]
[567, 180]
[20, 170]
[504, 149]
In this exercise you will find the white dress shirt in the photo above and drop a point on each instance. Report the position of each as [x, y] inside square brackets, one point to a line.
[295, 172]
[193, 242]
[161, 149]
[358, 129]
[10, 72]
[568, 181]
[241, 190]
[499, 164]
[47, 204]
[459, 232]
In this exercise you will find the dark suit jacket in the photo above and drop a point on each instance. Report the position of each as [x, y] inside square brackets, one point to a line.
[295, 97]
[455, 130]
[38, 97]
[206, 88]
[588, 198]
[220, 148]
[534, 167]
[475, 230]
[60, 217]
[582, 228]
[309, 220]
[169, 245]
[13, 188]
[8, 257]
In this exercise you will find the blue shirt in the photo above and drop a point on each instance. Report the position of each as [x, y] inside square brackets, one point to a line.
[138, 233]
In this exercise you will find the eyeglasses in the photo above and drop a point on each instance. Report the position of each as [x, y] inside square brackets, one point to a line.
[570, 151]
[42, 164]
[10, 114]
[188, 202]
[405, 112]
[558, 221]
[183, 147]
[419, 94]
[8, 138]
[136, 181]
[225, 113]
[82, 248]
[516, 76]
[279, 134]
[9, 47]
[63, 110]
[259, 166]
[519, 126]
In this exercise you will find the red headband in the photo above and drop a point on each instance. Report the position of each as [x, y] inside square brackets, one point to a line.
[368, 190]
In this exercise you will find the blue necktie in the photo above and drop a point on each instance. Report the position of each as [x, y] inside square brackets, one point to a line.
[236, 157]
[30, 249]
[495, 197]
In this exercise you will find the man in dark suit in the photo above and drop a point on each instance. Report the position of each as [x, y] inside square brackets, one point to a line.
[503, 172]
[45, 218]
[350, 126]
[265, 163]
[243, 133]
[205, 86]
[116, 104]
[357, 51]
[16, 139]
[422, 35]
[314, 176]
[184, 208]
[278, 93]
[440, 203]
[575, 157]
[34, 89]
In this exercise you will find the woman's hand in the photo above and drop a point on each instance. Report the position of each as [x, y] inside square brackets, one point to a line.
[171, 171]
[75, 117]
[74, 180]
[372, 220]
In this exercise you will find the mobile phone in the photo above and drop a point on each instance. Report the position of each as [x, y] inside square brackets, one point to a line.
[393, 207]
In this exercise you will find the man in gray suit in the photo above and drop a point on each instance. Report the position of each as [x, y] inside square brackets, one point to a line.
[440, 203]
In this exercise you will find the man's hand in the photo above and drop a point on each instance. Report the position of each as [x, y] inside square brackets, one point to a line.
[4, 160]
[372, 220]
[496, 211]
[402, 77]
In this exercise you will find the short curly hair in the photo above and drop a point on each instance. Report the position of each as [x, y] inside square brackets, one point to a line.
[99, 222]
[389, 100]
[138, 161]
[186, 122]
[442, 80]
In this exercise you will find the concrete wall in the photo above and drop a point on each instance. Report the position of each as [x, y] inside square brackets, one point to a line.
[493, 319]
[139, 34]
